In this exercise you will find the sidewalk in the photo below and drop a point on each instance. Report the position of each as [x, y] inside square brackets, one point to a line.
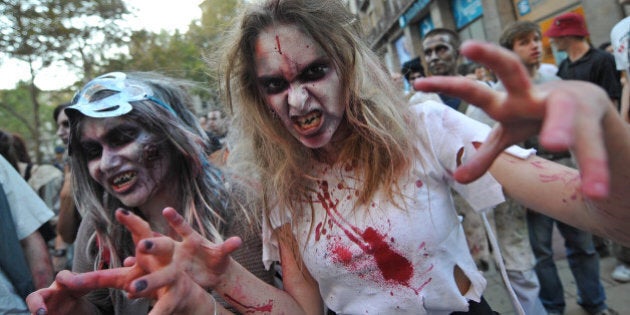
[617, 294]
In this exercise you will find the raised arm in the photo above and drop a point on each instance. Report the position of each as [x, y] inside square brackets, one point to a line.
[69, 218]
[570, 115]
[36, 253]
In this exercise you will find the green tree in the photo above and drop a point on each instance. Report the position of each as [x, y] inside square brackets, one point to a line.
[181, 55]
[216, 18]
[42, 32]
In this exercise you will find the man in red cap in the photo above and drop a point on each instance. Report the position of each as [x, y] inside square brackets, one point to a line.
[568, 33]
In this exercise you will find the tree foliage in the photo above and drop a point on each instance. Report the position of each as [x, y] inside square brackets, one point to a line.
[181, 55]
[75, 32]
[42, 32]
[83, 35]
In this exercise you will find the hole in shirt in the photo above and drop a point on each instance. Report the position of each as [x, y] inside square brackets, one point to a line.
[462, 281]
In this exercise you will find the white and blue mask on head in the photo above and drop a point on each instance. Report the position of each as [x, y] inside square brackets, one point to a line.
[118, 104]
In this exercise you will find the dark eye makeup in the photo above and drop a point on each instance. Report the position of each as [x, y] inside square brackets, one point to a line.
[313, 72]
[116, 137]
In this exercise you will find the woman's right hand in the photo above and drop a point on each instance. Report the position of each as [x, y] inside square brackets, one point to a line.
[63, 296]
[163, 257]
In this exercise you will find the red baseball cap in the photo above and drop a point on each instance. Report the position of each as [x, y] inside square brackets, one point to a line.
[567, 24]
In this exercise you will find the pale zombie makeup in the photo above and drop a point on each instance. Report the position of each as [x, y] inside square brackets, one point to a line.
[300, 84]
[122, 160]
[440, 55]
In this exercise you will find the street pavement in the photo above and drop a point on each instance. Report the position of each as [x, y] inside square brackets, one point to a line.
[617, 294]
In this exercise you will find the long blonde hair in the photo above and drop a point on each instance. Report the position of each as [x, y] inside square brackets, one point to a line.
[379, 145]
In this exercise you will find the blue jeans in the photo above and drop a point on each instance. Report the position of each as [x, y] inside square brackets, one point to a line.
[583, 260]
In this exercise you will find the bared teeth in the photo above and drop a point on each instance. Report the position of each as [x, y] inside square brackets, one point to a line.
[124, 178]
[308, 121]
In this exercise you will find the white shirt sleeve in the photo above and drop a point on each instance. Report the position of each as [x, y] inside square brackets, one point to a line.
[620, 38]
[453, 136]
[29, 212]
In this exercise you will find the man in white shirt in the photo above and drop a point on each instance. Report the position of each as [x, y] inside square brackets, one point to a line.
[20, 205]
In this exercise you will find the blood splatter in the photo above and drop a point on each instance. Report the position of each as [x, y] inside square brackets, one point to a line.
[253, 309]
[342, 254]
[393, 266]
[419, 183]
[538, 164]
[565, 177]
[318, 231]
[278, 44]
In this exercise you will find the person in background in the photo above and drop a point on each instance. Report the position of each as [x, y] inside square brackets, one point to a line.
[477, 72]
[44, 179]
[413, 70]
[524, 38]
[24, 260]
[620, 39]
[441, 55]
[69, 217]
[620, 43]
[376, 231]
[569, 33]
[217, 125]
[507, 219]
[607, 47]
[59, 159]
[399, 80]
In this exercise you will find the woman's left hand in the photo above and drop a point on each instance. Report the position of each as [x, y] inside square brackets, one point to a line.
[568, 115]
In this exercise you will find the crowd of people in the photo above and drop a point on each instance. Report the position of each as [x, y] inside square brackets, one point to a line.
[321, 186]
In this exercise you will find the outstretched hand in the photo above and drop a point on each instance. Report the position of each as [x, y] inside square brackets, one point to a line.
[164, 259]
[568, 115]
[64, 295]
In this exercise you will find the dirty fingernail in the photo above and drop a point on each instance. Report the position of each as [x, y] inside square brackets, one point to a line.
[140, 285]
[148, 245]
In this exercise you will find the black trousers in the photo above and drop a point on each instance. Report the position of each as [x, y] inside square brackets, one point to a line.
[481, 308]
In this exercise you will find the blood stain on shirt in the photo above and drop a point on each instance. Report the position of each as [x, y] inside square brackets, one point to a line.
[392, 265]
[419, 183]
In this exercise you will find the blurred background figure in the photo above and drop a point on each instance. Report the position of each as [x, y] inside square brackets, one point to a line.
[413, 70]
[216, 126]
[24, 259]
[399, 81]
[69, 216]
[58, 160]
[44, 179]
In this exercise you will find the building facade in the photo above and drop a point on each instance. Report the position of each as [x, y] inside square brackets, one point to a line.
[395, 28]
